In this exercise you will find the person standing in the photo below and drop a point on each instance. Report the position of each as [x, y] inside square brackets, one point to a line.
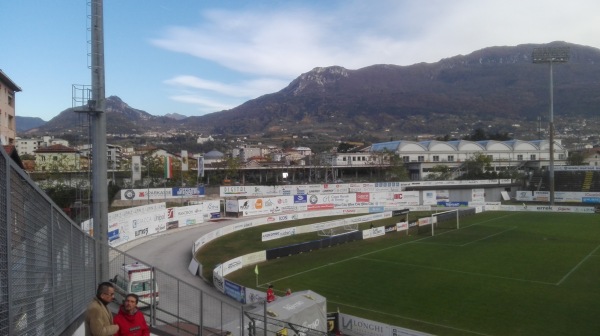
[130, 319]
[98, 319]
[270, 294]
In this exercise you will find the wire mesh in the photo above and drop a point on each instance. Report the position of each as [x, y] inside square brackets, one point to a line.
[45, 278]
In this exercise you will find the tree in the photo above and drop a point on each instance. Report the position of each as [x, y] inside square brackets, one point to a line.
[440, 173]
[344, 147]
[476, 167]
[576, 159]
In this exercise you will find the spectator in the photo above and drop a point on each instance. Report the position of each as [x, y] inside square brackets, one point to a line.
[98, 319]
[288, 292]
[270, 294]
[130, 319]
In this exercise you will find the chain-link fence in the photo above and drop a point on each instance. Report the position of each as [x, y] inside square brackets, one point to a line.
[47, 265]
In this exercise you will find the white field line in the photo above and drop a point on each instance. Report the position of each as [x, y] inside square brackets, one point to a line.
[376, 251]
[483, 275]
[577, 266]
[471, 242]
[408, 318]
[490, 236]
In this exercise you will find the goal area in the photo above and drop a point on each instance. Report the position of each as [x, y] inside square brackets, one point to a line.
[338, 230]
[443, 221]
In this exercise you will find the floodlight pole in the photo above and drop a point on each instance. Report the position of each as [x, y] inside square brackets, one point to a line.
[98, 130]
[551, 55]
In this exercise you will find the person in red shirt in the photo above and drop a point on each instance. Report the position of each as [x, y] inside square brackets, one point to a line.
[130, 319]
[270, 294]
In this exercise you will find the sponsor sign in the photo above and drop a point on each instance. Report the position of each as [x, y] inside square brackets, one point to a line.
[161, 193]
[188, 192]
[352, 325]
[232, 265]
[235, 291]
[453, 204]
[271, 235]
[113, 235]
[254, 296]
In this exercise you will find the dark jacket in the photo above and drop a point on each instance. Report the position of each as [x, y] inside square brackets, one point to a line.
[98, 320]
[131, 324]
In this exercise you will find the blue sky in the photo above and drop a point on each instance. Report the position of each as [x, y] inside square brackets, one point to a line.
[195, 57]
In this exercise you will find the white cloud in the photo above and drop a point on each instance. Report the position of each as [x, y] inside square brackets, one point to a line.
[279, 44]
[245, 89]
[205, 105]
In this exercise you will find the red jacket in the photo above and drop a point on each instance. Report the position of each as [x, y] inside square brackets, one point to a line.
[270, 295]
[131, 325]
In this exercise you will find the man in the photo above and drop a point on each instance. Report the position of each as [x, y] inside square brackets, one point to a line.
[98, 319]
[130, 320]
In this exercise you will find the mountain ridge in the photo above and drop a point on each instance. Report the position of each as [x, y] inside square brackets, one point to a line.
[495, 86]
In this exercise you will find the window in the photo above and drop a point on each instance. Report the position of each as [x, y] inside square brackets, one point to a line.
[561, 156]
[520, 157]
[406, 158]
[436, 158]
[421, 158]
[532, 157]
[354, 158]
[343, 158]
[10, 100]
[490, 157]
[450, 158]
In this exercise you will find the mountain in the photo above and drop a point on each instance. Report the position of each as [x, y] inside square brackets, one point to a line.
[498, 88]
[175, 116]
[120, 119]
[25, 123]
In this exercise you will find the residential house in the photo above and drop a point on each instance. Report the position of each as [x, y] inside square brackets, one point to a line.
[58, 158]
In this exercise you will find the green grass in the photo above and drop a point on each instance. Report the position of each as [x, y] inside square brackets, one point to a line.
[518, 273]
[249, 240]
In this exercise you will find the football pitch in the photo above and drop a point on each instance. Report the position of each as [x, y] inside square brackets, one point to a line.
[500, 273]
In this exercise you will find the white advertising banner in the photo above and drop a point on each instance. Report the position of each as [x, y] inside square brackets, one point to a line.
[184, 161]
[232, 265]
[407, 198]
[402, 226]
[524, 195]
[478, 195]
[442, 196]
[123, 228]
[136, 168]
[429, 197]
[265, 206]
[276, 234]
[232, 206]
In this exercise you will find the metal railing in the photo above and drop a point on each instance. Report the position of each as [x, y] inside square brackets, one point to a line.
[48, 273]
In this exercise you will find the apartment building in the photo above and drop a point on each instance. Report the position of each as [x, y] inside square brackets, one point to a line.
[8, 127]
[29, 146]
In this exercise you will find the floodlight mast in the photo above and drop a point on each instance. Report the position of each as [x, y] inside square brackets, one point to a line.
[551, 55]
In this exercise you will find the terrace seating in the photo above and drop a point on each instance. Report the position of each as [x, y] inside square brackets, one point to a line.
[595, 183]
[568, 181]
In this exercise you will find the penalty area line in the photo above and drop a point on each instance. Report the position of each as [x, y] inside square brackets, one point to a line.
[591, 254]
